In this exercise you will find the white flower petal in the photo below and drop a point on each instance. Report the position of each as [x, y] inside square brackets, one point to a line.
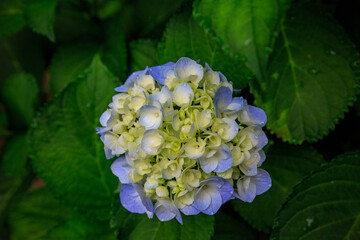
[151, 117]
[182, 95]
[152, 142]
[187, 70]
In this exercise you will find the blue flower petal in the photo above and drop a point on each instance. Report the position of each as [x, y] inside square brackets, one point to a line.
[246, 190]
[222, 77]
[262, 140]
[226, 190]
[235, 105]
[225, 159]
[108, 153]
[129, 83]
[190, 210]
[262, 157]
[133, 198]
[202, 199]
[262, 181]
[121, 169]
[224, 186]
[166, 210]
[222, 99]
[252, 116]
[216, 201]
[159, 72]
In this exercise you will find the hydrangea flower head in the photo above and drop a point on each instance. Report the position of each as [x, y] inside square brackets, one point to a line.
[183, 143]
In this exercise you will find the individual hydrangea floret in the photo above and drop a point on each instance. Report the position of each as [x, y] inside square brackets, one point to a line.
[183, 143]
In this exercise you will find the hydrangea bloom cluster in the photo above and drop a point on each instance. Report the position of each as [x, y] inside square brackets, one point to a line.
[183, 143]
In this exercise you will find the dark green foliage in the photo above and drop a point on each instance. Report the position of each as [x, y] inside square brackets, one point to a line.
[245, 28]
[184, 37]
[16, 56]
[143, 53]
[63, 58]
[67, 156]
[148, 18]
[20, 92]
[325, 205]
[139, 227]
[40, 15]
[15, 156]
[38, 215]
[287, 165]
[11, 17]
[311, 80]
[227, 227]
[68, 62]
[3, 123]
[72, 58]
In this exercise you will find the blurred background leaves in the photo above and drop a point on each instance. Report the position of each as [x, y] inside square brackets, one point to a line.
[61, 59]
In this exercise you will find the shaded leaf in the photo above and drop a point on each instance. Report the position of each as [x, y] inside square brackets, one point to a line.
[3, 123]
[113, 51]
[15, 156]
[287, 165]
[185, 38]
[16, 56]
[311, 80]
[68, 62]
[20, 94]
[325, 205]
[143, 53]
[195, 227]
[40, 216]
[148, 18]
[227, 227]
[40, 15]
[67, 152]
[9, 191]
[246, 27]
[11, 17]
[72, 58]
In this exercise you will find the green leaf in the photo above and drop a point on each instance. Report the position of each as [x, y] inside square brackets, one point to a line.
[20, 94]
[3, 123]
[113, 51]
[81, 227]
[325, 205]
[311, 80]
[244, 27]
[73, 26]
[40, 15]
[287, 165]
[228, 227]
[9, 191]
[68, 62]
[68, 154]
[15, 156]
[109, 8]
[185, 38]
[36, 214]
[40, 216]
[195, 227]
[143, 53]
[11, 17]
[142, 18]
[16, 56]
[71, 59]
